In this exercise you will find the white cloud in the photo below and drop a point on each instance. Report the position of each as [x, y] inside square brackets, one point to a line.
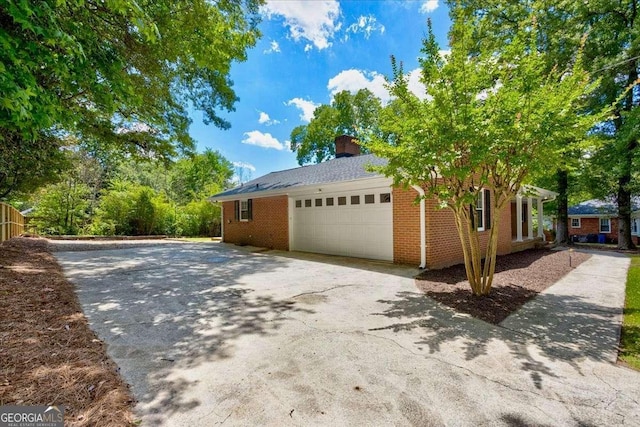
[264, 119]
[307, 108]
[353, 80]
[315, 21]
[415, 85]
[274, 47]
[365, 25]
[264, 140]
[429, 6]
[244, 165]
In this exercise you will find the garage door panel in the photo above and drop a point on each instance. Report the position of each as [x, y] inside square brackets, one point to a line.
[362, 230]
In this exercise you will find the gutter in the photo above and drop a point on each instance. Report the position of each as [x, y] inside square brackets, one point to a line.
[297, 190]
[423, 227]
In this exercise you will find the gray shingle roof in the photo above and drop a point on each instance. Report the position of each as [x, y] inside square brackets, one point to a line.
[331, 171]
[600, 207]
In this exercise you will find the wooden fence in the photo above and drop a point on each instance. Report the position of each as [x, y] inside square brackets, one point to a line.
[11, 222]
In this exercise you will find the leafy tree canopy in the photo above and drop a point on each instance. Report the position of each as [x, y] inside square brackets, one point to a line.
[494, 116]
[122, 73]
[610, 53]
[349, 114]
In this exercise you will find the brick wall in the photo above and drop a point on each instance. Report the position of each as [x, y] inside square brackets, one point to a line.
[406, 227]
[443, 244]
[592, 226]
[268, 229]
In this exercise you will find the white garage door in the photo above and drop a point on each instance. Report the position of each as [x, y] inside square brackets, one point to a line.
[355, 224]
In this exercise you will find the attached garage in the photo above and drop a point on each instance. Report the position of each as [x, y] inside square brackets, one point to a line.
[350, 223]
[344, 207]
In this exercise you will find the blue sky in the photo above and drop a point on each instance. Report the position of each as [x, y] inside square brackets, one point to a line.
[309, 50]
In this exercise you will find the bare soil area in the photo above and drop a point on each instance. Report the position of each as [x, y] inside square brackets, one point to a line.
[48, 353]
[519, 277]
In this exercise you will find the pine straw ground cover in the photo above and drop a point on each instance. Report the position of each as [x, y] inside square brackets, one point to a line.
[48, 354]
[518, 278]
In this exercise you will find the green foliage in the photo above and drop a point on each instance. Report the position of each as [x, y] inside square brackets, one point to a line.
[62, 208]
[349, 114]
[117, 74]
[493, 118]
[132, 209]
[113, 214]
[630, 339]
[26, 165]
[199, 176]
[198, 218]
[158, 198]
[611, 52]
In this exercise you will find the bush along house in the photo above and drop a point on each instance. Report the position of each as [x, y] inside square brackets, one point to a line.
[339, 207]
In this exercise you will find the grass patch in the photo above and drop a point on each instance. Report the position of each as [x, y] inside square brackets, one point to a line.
[630, 339]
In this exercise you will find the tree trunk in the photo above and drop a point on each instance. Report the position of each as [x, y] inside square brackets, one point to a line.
[624, 179]
[624, 203]
[562, 230]
[490, 259]
[468, 264]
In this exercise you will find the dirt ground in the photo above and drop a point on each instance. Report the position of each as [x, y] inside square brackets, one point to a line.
[519, 277]
[48, 353]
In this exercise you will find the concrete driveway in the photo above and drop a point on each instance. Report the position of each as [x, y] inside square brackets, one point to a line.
[207, 334]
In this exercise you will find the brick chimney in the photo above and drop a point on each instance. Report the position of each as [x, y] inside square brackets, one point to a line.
[346, 146]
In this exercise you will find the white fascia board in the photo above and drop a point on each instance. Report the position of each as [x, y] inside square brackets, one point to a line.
[533, 191]
[356, 184]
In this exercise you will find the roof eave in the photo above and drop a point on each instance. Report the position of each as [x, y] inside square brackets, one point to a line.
[304, 189]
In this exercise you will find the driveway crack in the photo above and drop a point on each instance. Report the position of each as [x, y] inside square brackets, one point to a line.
[324, 290]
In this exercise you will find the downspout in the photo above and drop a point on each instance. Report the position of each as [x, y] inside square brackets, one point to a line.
[222, 222]
[423, 228]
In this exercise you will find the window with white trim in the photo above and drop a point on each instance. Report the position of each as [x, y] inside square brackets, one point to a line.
[575, 223]
[635, 225]
[244, 210]
[605, 225]
[482, 208]
[480, 211]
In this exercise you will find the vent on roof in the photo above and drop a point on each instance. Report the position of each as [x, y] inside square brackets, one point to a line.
[346, 146]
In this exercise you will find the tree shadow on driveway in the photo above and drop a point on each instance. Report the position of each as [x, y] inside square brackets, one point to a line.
[571, 332]
[172, 307]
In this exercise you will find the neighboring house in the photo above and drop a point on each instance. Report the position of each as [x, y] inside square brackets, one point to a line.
[596, 220]
[338, 207]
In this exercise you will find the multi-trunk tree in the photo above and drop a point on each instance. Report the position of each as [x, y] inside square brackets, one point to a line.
[610, 53]
[492, 118]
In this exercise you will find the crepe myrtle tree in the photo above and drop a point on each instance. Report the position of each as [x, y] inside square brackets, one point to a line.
[491, 119]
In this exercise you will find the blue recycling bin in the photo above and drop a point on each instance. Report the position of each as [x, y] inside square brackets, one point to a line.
[601, 238]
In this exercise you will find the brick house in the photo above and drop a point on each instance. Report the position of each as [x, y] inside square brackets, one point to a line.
[595, 220]
[339, 207]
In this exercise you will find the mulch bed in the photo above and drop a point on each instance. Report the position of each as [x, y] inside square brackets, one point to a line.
[519, 277]
[48, 353]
